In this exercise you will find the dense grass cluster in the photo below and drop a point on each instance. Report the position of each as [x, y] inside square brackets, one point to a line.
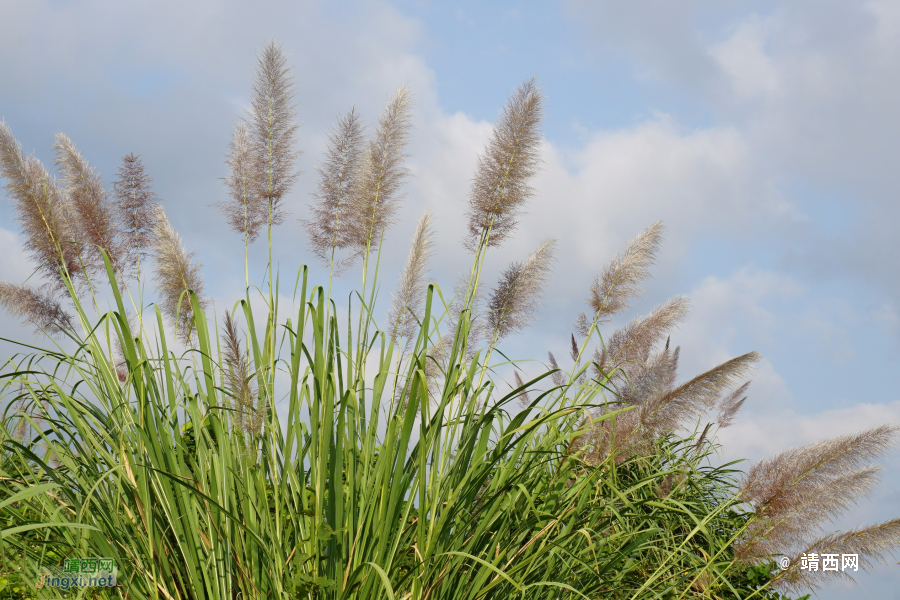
[311, 453]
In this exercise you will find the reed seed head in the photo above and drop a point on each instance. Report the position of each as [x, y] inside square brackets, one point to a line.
[618, 282]
[794, 492]
[407, 300]
[670, 409]
[135, 205]
[871, 543]
[91, 210]
[381, 174]
[176, 273]
[730, 405]
[331, 226]
[41, 211]
[515, 300]
[524, 400]
[239, 380]
[501, 186]
[272, 130]
[559, 378]
[38, 308]
[245, 210]
[633, 343]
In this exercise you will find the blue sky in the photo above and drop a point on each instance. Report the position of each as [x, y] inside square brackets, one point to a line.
[763, 134]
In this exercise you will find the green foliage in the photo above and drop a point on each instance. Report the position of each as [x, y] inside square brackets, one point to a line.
[345, 493]
[318, 458]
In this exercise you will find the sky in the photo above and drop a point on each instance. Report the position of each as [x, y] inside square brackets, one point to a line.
[763, 134]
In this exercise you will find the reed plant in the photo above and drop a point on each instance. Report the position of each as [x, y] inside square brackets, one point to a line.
[311, 453]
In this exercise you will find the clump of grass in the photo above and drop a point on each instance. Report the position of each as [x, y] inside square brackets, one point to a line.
[313, 457]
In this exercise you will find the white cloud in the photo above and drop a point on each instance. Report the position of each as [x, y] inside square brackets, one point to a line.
[744, 60]
[727, 310]
[760, 435]
[833, 340]
[887, 315]
[14, 266]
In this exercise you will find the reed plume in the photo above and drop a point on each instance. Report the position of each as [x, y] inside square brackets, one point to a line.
[20, 409]
[559, 378]
[870, 543]
[794, 492]
[135, 205]
[642, 380]
[41, 211]
[36, 307]
[403, 319]
[176, 273]
[665, 487]
[436, 364]
[501, 189]
[515, 300]
[272, 130]
[633, 342]
[524, 399]
[239, 381]
[618, 282]
[381, 173]
[119, 362]
[703, 436]
[93, 214]
[331, 226]
[668, 410]
[730, 405]
[573, 348]
[245, 211]
[479, 328]
[660, 407]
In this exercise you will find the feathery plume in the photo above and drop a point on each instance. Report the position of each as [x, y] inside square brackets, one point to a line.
[37, 308]
[135, 205]
[239, 380]
[176, 273]
[403, 318]
[665, 487]
[702, 437]
[478, 326]
[331, 225]
[272, 130]
[730, 405]
[381, 173]
[660, 406]
[245, 211]
[524, 400]
[573, 348]
[559, 378]
[668, 410]
[90, 208]
[515, 300]
[620, 437]
[617, 283]
[40, 210]
[797, 490]
[633, 343]
[501, 186]
[642, 380]
[119, 362]
[20, 409]
[870, 543]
